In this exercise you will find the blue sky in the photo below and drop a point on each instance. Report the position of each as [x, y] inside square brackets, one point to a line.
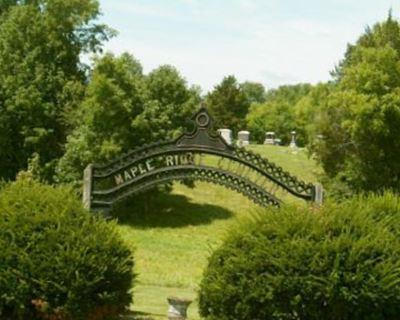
[274, 42]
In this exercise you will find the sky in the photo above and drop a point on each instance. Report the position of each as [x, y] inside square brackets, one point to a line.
[273, 42]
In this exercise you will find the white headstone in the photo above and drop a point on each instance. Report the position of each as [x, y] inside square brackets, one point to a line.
[226, 134]
[269, 137]
[243, 138]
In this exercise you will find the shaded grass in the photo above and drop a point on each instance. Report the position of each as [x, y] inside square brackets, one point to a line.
[172, 211]
[174, 235]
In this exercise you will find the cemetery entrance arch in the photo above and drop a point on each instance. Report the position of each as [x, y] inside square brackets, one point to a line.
[201, 155]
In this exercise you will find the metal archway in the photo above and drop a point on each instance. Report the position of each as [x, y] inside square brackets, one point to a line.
[183, 158]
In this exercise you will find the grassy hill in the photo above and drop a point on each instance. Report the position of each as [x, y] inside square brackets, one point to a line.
[175, 235]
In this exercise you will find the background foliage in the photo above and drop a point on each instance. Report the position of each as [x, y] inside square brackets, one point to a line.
[123, 109]
[359, 119]
[229, 104]
[278, 114]
[41, 77]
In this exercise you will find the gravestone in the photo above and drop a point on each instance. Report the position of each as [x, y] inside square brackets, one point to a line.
[243, 138]
[269, 137]
[226, 134]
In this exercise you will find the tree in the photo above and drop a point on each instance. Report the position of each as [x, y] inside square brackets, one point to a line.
[169, 103]
[228, 104]
[277, 113]
[330, 134]
[254, 91]
[307, 109]
[361, 118]
[273, 116]
[123, 109]
[382, 34]
[41, 77]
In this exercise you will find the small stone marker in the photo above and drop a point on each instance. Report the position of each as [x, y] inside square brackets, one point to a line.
[243, 138]
[293, 142]
[269, 137]
[319, 194]
[178, 308]
[87, 186]
[226, 134]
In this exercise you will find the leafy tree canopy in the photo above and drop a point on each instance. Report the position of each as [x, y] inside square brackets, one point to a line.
[41, 78]
[254, 91]
[277, 113]
[360, 120]
[229, 104]
[123, 109]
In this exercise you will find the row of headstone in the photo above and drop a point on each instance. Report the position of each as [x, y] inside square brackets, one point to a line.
[244, 138]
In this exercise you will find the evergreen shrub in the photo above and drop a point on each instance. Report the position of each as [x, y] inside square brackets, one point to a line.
[340, 261]
[58, 261]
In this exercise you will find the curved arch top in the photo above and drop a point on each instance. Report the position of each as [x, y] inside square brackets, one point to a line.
[182, 158]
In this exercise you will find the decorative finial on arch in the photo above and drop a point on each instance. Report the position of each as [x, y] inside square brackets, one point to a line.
[203, 133]
[202, 118]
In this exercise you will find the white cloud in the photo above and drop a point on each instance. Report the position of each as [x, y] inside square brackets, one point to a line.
[264, 41]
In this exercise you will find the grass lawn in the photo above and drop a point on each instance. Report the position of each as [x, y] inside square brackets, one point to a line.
[178, 232]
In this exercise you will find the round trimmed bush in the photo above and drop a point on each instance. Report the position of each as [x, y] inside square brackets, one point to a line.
[339, 262]
[58, 261]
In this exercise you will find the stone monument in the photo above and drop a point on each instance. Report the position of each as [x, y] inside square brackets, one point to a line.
[226, 134]
[269, 137]
[243, 138]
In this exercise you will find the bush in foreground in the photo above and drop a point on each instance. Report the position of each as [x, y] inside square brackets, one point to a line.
[339, 262]
[57, 261]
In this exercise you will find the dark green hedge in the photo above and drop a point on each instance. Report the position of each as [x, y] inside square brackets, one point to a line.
[340, 262]
[57, 261]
